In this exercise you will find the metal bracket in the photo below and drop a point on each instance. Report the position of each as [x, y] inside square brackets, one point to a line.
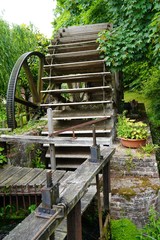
[50, 196]
[95, 149]
[57, 210]
[95, 153]
[45, 213]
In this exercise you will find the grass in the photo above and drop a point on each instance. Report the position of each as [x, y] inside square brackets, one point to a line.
[130, 95]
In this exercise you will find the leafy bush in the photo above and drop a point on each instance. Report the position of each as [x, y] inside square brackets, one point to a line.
[130, 129]
[3, 158]
[152, 229]
[123, 229]
[151, 90]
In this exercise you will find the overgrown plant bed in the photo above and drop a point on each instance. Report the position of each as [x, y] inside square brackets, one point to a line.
[134, 183]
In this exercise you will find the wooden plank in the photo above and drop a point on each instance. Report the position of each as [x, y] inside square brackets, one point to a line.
[39, 179]
[82, 141]
[38, 228]
[11, 180]
[8, 173]
[72, 39]
[87, 27]
[75, 103]
[78, 90]
[66, 154]
[72, 47]
[73, 54]
[29, 176]
[78, 117]
[58, 141]
[77, 76]
[67, 45]
[74, 64]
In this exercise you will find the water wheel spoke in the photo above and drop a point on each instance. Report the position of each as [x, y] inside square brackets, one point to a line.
[25, 103]
[40, 82]
[32, 85]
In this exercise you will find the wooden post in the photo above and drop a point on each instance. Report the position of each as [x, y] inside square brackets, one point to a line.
[99, 207]
[51, 146]
[74, 225]
[106, 192]
[106, 185]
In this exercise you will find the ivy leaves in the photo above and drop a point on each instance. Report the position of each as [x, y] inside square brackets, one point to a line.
[130, 39]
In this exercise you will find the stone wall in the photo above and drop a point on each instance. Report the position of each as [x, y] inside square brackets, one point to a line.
[135, 185]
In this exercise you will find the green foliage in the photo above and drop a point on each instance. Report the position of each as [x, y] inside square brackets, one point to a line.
[14, 41]
[154, 37]
[3, 158]
[123, 229]
[151, 91]
[32, 208]
[10, 212]
[135, 74]
[127, 128]
[36, 162]
[80, 12]
[32, 125]
[129, 41]
[149, 148]
[152, 229]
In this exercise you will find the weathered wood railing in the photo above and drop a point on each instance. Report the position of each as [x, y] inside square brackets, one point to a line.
[69, 203]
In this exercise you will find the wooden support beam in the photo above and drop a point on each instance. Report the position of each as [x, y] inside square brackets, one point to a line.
[106, 185]
[99, 207]
[73, 189]
[74, 224]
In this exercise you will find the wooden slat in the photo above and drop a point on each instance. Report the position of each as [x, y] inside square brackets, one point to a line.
[72, 39]
[75, 103]
[58, 141]
[80, 117]
[29, 177]
[77, 77]
[15, 177]
[78, 90]
[81, 141]
[73, 153]
[73, 54]
[74, 64]
[86, 28]
[8, 173]
[71, 47]
[67, 45]
[39, 179]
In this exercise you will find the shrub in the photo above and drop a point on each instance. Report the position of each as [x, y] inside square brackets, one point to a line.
[123, 229]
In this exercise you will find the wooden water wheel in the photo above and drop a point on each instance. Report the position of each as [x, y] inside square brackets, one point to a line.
[24, 89]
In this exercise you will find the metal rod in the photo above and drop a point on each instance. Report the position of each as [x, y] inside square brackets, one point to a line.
[49, 178]
[52, 156]
[94, 135]
[50, 121]
[78, 126]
